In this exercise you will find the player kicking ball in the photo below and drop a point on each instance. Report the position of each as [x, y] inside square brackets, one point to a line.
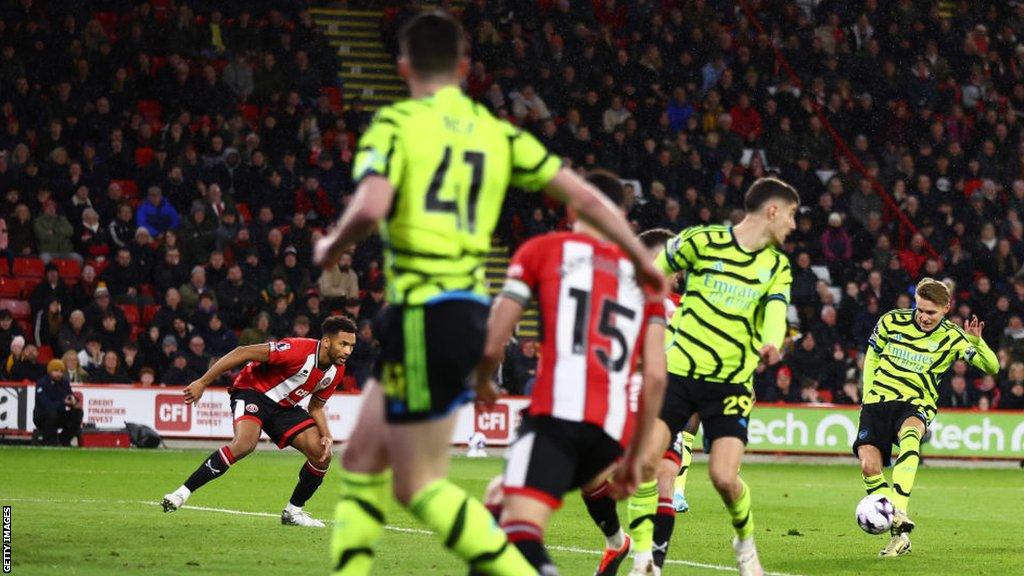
[265, 396]
[584, 412]
[907, 354]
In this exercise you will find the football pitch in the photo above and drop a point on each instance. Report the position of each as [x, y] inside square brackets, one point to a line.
[97, 512]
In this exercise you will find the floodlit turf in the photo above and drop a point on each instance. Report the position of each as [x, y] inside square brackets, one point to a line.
[95, 512]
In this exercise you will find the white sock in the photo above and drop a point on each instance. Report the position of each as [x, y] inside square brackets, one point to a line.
[615, 541]
[642, 559]
[183, 492]
[292, 509]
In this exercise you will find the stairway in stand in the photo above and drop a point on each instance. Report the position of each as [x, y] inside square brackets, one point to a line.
[367, 68]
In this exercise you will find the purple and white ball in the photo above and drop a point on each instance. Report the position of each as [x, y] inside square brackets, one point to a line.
[874, 514]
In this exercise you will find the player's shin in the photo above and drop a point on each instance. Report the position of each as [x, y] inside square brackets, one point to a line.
[664, 523]
[602, 511]
[310, 478]
[358, 521]
[877, 484]
[213, 467]
[528, 538]
[741, 512]
[687, 459]
[468, 529]
[905, 468]
[641, 509]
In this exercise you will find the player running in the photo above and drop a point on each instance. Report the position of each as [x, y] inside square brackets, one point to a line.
[432, 172]
[265, 396]
[731, 316]
[907, 353]
[584, 409]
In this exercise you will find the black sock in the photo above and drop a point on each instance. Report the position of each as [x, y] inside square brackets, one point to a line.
[664, 522]
[213, 467]
[602, 510]
[310, 478]
[529, 539]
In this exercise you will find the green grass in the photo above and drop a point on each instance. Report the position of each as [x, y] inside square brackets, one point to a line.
[86, 512]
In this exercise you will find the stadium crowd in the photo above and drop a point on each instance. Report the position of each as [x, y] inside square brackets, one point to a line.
[165, 168]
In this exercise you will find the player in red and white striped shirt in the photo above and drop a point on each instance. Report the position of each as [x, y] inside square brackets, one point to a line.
[585, 409]
[265, 396]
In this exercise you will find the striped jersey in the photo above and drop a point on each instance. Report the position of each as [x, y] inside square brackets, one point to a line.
[905, 363]
[290, 373]
[450, 163]
[594, 316]
[716, 332]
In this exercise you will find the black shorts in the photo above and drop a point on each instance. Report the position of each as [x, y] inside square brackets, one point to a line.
[427, 353]
[551, 456]
[880, 425]
[724, 408]
[281, 423]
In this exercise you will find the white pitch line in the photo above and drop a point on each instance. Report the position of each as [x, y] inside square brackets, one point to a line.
[401, 529]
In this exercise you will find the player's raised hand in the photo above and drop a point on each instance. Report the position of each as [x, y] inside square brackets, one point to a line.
[652, 280]
[974, 327]
[770, 354]
[194, 391]
[326, 442]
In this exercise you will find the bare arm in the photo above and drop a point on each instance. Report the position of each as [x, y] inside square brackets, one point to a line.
[653, 392]
[237, 357]
[600, 213]
[505, 313]
[369, 206]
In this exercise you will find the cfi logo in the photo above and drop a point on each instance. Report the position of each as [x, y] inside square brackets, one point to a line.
[252, 408]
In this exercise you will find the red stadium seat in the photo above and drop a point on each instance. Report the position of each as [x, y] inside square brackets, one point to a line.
[131, 313]
[10, 288]
[143, 156]
[45, 354]
[20, 309]
[250, 112]
[129, 187]
[68, 268]
[148, 313]
[28, 285]
[108, 20]
[99, 265]
[29, 268]
[4, 269]
[150, 109]
[333, 94]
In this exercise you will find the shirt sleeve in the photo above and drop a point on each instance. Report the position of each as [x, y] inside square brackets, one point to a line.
[288, 352]
[680, 253]
[655, 313]
[326, 393]
[524, 272]
[380, 151]
[879, 336]
[533, 166]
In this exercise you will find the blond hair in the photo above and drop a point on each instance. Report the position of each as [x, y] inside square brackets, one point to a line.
[934, 291]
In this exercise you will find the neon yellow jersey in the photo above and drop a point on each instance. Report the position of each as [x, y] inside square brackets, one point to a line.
[716, 331]
[905, 363]
[450, 162]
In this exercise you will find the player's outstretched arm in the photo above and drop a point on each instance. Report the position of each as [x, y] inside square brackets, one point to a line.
[983, 357]
[600, 213]
[505, 314]
[369, 206]
[237, 357]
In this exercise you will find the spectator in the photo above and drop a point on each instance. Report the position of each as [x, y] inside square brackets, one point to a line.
[364, 355]
[258, 332]
[521, 369]
[338, 284]
[48, 323]
[51, 288]
[238, 77]
[193, 289]
[179, 373]
[957, 394]
[21, 365]
[53, 234]
[72, 334]
[110, 371]
[172, 272]
[74, 372]
[196, 356]
[156, 214]
[123, 277]
[783, 391]
[58, 411]
[84, 291]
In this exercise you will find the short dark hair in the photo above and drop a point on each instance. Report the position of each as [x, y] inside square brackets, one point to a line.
[656, 237]
[609, 185]
[765, 189]
[334, 324]
[433, 42]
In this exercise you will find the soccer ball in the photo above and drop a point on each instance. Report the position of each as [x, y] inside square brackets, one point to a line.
[874, 514]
